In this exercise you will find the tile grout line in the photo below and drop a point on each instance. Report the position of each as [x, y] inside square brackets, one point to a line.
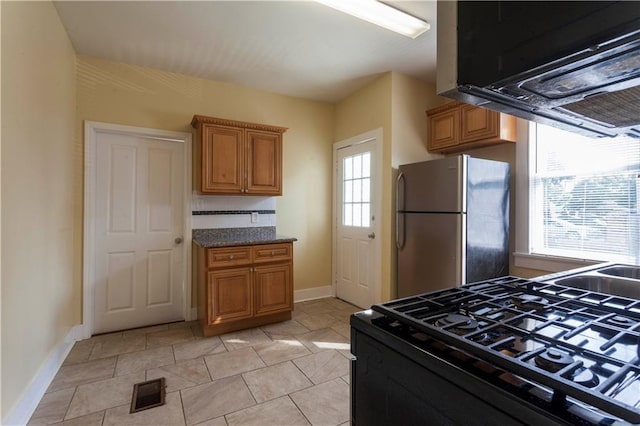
[299, 409]
[248, 387]
[207, 366]
[68, 406]
[184, 412]
[94, 349]
[255, 402]
[307, 377]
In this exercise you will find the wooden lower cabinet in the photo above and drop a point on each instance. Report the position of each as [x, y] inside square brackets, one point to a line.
[243, 287]
[273, 290]
[231, 295]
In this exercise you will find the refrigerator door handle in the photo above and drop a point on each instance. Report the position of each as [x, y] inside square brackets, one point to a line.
[399, 179]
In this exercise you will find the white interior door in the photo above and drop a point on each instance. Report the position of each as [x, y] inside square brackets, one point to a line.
[357, 217]
[139, 270]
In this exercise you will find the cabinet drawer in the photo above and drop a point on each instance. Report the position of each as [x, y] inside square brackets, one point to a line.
[228, 256]
[272, 252]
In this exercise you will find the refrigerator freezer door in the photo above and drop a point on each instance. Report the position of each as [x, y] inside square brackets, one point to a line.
[432, 255]
[432, 186]
[487, 220]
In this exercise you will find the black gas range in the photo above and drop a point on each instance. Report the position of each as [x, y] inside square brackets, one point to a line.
[502, 351]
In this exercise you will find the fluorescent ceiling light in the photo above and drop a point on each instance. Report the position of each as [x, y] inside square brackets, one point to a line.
[381, 14]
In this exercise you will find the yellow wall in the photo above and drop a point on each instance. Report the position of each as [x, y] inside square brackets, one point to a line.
[397, 104]
[365, 110]
[45, 101]
[40, 300]
[411, 99]
[124, 94]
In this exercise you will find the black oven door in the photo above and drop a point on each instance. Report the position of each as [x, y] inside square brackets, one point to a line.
[396, 385]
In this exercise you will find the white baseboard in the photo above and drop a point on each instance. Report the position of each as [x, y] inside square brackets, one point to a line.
[26, 405]
[312, 293]
[80, 332]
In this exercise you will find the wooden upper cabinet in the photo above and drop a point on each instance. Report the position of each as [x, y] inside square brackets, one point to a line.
[477, 124]
[264, 163]
[223, 168]
[455, 127]
[236, 157]
[444, 129]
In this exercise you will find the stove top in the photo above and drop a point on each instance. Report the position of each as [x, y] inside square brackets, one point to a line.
[578, 343]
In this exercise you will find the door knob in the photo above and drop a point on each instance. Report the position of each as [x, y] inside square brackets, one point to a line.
[372, 235]
[178, 240]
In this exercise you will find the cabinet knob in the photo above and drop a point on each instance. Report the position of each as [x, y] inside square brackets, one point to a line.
[178, 240]
[231, 257]
[272, 253]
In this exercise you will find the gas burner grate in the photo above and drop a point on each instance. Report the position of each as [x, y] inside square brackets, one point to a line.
[581, 344]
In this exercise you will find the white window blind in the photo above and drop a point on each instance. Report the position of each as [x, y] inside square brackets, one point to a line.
[584, 196]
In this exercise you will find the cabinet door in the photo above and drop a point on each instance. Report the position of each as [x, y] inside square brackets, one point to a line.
[273, 289]
[230, 295]
[477, 124]
[223, 166]
[444, 129]
[264, 163]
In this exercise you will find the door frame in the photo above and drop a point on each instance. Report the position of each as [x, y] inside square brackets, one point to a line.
[376, 167]
[91, 131]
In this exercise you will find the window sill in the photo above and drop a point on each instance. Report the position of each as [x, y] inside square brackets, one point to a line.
[548, 263]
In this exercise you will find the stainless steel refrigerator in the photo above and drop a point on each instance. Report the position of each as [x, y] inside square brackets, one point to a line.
[452, 223]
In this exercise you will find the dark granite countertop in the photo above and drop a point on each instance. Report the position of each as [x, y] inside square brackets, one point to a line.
[228, 237]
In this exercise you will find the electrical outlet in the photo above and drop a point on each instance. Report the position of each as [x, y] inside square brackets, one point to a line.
[254, 217]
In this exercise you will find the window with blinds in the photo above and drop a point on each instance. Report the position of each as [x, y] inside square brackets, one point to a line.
[584, 196]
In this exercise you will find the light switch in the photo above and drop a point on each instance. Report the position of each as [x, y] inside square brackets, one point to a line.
[254, 217]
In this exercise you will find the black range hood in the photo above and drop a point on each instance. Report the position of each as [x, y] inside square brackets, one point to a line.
[574, 65]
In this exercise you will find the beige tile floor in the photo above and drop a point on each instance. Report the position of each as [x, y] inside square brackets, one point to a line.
[290, 373]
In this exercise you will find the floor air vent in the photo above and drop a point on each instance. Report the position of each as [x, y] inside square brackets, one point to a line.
[147, 395]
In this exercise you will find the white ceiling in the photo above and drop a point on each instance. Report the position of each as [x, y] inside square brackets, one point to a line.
[295, 48]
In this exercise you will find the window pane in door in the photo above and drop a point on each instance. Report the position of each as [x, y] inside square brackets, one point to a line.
[357, 190]
[348, 191]
[357, 214]
[365, 215]
[348, 168]
[366, 192]
[356, 196]
[366, 167]
[347, 219]
[357, 166]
